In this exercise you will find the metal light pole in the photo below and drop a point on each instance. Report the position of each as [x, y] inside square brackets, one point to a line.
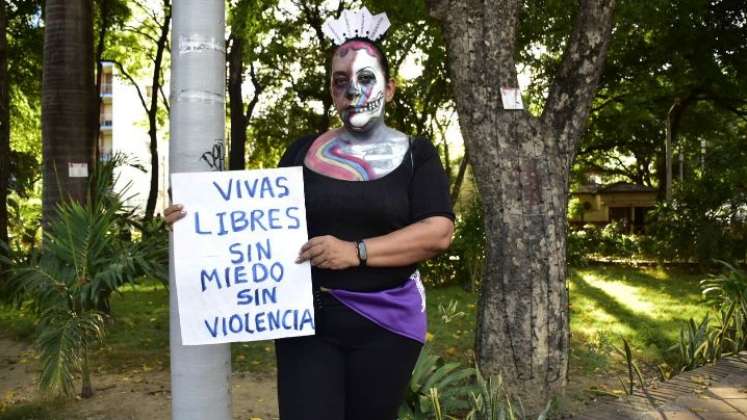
[200, 375]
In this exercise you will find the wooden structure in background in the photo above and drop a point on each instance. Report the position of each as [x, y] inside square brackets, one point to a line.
[623, 202]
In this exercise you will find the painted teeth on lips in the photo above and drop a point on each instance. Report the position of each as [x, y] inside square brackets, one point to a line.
[373, 105]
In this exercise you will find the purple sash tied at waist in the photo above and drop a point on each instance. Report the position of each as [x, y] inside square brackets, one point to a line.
[400, 310]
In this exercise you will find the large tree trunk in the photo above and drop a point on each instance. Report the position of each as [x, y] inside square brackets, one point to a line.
[150, 206]
[4, 128]
[67, 89]
[522, 164]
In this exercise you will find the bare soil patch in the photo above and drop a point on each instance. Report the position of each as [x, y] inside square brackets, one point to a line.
[132, 395]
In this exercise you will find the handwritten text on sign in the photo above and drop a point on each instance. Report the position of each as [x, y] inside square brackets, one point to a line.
[235, 252]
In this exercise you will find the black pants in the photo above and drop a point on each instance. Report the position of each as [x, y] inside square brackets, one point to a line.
[352, 369]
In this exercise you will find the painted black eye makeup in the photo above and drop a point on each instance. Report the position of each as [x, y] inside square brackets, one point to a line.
[366, 77]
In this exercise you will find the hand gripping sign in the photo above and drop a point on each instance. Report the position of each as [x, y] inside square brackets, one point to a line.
[235, 252]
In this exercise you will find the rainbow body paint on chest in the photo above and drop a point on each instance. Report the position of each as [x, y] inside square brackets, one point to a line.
[326, 157]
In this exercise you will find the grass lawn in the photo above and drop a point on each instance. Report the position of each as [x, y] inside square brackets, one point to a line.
[645, 306]
[139, 334]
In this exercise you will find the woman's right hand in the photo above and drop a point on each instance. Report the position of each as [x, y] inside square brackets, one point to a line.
[173, 213]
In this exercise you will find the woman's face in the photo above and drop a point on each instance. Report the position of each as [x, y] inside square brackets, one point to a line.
[359, 87]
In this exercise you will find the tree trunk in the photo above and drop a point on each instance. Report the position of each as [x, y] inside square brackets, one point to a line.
[104, 18]
[240, 117]
[313, 18]
[150, 206]
[237, 153]
[86, 389]
[674, 116]
[4, 129]
[668, 155]
[522, 165]
[200, 375]
[67, 89]
[459, 180]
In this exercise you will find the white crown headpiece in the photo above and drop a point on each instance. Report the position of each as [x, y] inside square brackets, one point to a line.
[358, 24]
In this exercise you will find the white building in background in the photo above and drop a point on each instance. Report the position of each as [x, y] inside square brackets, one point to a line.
[124, 130]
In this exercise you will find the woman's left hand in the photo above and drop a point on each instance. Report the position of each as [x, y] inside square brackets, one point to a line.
[329, 252]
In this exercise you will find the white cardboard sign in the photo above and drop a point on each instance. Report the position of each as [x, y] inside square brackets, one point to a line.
[235, 252]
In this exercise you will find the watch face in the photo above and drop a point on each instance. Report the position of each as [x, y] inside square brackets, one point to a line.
[362, 250]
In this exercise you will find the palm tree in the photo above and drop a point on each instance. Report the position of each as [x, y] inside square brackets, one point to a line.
[68, 91]
[85, 259]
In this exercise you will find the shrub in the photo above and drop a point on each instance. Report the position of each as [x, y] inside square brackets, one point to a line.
[24, 224]
[84, 259]
[450, 380]
[726, 289]
[608, 242]
[494, 402]
[440, 390]
[632, 367]
[463, 262]
[703, 342]
[579, 245]
[690, 230]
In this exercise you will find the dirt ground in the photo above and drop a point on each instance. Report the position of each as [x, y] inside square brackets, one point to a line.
[139, 394]
[132, 396]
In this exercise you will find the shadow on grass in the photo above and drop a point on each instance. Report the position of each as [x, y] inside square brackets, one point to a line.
[648, 330]
[676, 284]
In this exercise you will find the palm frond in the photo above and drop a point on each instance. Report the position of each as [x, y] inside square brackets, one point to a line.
[64, 336]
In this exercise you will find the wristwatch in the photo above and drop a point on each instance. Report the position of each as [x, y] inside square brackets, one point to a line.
[362, 255]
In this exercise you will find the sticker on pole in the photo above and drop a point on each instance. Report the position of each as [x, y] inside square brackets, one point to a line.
[234, 256]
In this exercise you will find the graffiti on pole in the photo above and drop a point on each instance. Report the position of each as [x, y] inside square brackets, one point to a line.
[215, 158]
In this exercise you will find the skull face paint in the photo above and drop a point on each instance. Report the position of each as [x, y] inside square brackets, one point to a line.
[358, 86]
[365, 148]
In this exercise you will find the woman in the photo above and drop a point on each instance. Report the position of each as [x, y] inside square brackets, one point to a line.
[377, 203]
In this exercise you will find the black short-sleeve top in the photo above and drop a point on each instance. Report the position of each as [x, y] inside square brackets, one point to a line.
[352, 210]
